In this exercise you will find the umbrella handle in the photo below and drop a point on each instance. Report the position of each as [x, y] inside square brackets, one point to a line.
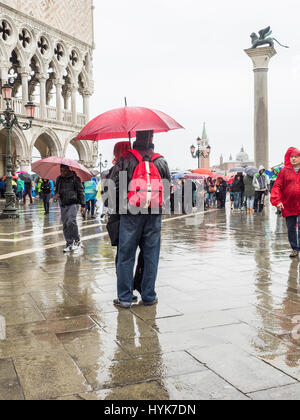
[129, 138]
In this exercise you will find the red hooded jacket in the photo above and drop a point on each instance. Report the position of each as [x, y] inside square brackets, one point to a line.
[286, 189]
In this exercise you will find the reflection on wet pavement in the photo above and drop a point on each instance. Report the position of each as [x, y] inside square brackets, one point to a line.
[226, 325]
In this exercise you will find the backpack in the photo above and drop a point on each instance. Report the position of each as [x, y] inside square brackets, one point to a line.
[146, 187]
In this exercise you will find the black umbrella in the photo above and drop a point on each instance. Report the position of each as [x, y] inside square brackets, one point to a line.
[25, 178]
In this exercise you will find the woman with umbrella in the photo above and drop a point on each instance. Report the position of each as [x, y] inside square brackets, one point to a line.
[249, 188]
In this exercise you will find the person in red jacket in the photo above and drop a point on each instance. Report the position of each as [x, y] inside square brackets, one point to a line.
[286, 197]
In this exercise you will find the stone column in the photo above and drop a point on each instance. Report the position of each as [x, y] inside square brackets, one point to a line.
[43, 111]
[260, 58]
[74, 103]
[86, 106]
[25, 96]
[59, 110]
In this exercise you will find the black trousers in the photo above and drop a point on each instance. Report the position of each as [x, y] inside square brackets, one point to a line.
[259, 201]
[293, 226]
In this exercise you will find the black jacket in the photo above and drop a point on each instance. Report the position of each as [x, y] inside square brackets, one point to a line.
[70, 190]
[46, 188]
[238, 185]
[128, 163]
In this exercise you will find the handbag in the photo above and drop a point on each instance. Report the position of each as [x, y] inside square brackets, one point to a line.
[113, 228]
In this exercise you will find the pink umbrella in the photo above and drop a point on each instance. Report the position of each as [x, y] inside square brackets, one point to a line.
[49, 168]
[22, 172]
[123, 122]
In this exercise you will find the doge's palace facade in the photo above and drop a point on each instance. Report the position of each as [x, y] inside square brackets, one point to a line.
[46, 47]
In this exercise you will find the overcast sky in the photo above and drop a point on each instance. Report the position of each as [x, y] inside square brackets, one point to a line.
[186, 58]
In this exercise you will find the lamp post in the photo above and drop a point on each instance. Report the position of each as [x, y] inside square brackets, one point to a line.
[101, 164]
[203, 150]
[8, 120]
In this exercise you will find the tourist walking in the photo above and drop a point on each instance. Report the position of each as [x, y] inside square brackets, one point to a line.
[143, 228]
[249, 193]
[261, 185]
[20, 189]
[70, 193]
[238, 191]
[286, 197]
[221, 192]
[46, 194]
[2, 188]
[28, 190]
[90, 192]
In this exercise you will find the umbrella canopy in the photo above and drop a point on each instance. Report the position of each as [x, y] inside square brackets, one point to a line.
[49, 168]
[216, 176]
[203, 171]
[193, 176]
[238, 169]
[251, 171]
[118, 123]
[25, 177]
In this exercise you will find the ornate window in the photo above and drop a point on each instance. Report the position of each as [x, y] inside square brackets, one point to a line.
[59, 52]
[24, 38]
[5, 30]
[74, 58]
[43, 45]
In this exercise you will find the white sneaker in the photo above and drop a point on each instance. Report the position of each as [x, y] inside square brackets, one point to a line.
[76, 245]
[68, 249]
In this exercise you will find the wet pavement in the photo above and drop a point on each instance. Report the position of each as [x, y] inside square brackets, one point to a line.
[226, 325]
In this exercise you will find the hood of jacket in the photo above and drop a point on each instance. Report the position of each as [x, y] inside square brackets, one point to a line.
[287, 159]
[261, 168]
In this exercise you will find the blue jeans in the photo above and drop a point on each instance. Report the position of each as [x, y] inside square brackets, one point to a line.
[293, 225]
[138, 230]
[250, 202]
[237, 200]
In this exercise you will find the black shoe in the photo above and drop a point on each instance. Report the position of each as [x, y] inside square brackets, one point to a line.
[125, 305]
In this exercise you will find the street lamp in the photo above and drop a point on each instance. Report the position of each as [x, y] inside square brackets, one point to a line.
[102, 165]
[8, 120]
[203, 150]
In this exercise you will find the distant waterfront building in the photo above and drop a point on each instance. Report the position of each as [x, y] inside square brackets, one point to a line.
[47, 48]
[242, 159]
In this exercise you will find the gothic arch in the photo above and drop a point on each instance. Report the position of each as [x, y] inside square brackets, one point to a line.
[81, 147]
[19, 148]
[47, 142]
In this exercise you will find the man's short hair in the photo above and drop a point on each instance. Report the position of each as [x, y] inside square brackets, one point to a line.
[64, 166]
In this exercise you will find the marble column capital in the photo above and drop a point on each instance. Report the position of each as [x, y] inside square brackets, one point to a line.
[261, 56]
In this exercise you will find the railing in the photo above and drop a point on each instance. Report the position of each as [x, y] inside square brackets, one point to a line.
[81, 119]
[67, 116]
[51, 115]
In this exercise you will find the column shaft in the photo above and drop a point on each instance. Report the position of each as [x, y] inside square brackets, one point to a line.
[261, 118]
[43, 111]
[59, 111]
[74, 105]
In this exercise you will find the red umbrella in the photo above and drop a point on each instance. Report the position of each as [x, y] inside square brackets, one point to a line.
[203, 171]
[49, 168]
[125, 122]
[216, 176]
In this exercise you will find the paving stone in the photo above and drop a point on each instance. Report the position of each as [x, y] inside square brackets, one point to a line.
[243, 371]
[200, 386]
[44, 327]
[10, 388]
[284, 393]
[49, 375]
[151, 390]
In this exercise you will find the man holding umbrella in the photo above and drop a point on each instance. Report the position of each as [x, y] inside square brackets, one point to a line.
[70, 193]
[286, 197]
[142, 229]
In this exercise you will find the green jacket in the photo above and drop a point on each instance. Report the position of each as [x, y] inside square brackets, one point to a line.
[249, 188]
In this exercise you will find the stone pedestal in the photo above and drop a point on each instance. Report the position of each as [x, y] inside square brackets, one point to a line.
[261, 58]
